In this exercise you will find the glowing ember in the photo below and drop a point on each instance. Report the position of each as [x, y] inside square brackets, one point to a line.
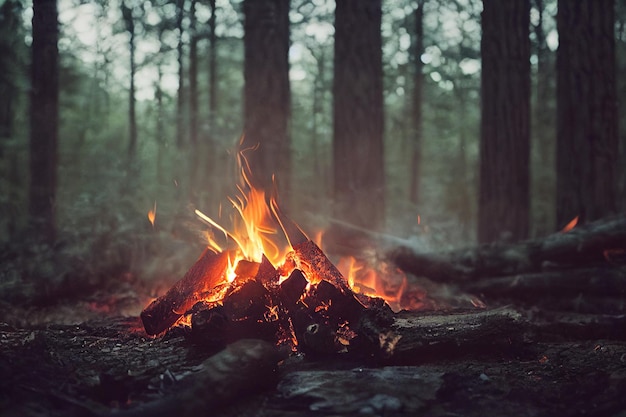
[152, 214]
[569, 226]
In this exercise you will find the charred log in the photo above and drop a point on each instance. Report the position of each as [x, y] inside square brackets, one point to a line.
[202, 277]
[602, 243]
[607, 281]
[244, 367]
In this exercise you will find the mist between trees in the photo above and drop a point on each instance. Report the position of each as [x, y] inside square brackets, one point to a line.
[371, 113]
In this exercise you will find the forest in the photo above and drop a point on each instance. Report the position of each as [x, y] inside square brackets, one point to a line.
[439, 123]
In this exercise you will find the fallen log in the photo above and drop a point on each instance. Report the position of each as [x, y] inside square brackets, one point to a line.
[607, 281]
[244, 367]
[202, 277]
[601, 243]
[414, 338]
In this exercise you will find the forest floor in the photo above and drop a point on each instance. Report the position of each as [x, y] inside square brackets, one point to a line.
[102, 367]
[84, 353]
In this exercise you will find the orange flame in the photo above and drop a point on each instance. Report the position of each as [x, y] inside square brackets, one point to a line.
[253, 230]
[569, 226]
[374, 282]
[152, 214]
[256, 230]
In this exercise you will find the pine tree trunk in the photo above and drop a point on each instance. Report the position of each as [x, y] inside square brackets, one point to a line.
[543, 135]
[359, 177]
[266, 92]
[129, 21]
[180, 100]
[504, 199]
[418, 85]
[212, 69]
[44, 118]
[193, 77]
[587, 134]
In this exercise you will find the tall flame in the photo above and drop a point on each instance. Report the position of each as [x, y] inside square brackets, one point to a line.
[254, 230]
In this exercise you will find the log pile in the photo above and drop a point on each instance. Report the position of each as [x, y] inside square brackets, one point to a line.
[314, 310]
[582, 270]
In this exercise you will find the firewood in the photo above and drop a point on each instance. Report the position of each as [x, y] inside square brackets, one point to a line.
[411, 337]
[316, 266]
[606, 281]
[244, 367]
[601, 243]
[201, 278]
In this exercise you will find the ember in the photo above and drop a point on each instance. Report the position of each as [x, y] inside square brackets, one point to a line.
[265, 279]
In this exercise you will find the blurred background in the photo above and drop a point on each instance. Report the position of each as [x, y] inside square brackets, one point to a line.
[368, 112]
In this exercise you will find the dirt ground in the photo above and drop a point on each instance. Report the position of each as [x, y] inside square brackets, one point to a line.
[110, 367]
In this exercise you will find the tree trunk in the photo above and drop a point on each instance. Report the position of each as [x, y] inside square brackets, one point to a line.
[503, 209]
[44, 117]
[267, 92]
[160, 126]
[180, 103]
[543, 135]
[11, 65]
[587, 133]
[359, 177]
[129, 20]
[193, 77]
[212, 69]
[418, 85]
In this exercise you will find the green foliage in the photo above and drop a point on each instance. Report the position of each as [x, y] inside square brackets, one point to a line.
[102, 206]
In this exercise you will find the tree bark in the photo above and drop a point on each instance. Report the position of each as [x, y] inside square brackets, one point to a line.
[418, 86]
[129, 21]
[180, 100]
[267, 92]
[543, 134]
[212, 68]
[44, 118]
[503, 208]
[193, 78]
[358, 161]
[587, 119]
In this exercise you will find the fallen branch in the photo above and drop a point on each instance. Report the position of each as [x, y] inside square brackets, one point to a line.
[602, 243]
[607, 281]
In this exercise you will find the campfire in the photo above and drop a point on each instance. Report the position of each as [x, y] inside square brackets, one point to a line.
[265, 278]
[522, 328]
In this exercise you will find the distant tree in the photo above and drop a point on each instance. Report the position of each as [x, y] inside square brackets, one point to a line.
[358, 176]
[266, 92]
[504, 199]
[587, 118]
[543, 131]
[180, 102]
[11, 65]
[12, 79]
[193, 75]
[129, 22]
[44, 118]
[212, 67]
[417, 97]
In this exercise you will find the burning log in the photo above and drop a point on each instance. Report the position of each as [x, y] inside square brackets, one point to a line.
[205, 275]
[602, 243]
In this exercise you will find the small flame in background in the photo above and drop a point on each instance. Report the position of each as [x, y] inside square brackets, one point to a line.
[152, 214]
[569, 226]
[255, 233]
